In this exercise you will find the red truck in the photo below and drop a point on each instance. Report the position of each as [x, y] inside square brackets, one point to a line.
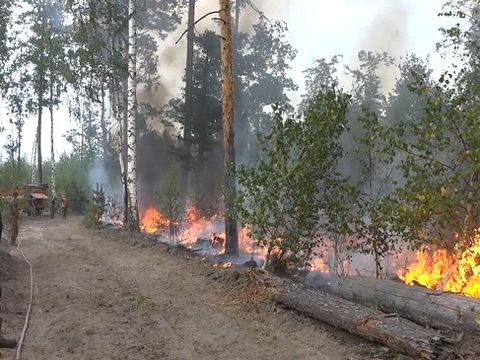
[31, 197]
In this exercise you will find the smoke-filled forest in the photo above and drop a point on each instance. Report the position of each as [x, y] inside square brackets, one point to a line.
[353, 182]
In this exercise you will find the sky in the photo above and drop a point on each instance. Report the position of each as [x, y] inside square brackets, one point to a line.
[317, 29]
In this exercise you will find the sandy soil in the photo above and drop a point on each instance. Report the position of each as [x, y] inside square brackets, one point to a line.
[104, 295]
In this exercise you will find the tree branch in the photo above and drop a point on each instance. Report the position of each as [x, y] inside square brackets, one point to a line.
[196, 22]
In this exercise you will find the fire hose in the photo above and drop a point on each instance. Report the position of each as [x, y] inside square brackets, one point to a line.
[29, 310]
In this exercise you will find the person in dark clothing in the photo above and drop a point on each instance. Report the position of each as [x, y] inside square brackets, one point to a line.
[1, 226]
[15, 218]
[53, 207]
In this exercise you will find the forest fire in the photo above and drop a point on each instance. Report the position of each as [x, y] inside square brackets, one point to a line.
[151, 221]
[440, 271]
[195, 229]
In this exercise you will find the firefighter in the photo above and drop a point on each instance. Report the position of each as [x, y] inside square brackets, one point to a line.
[15, 215]
[64, 207]
[53, 207]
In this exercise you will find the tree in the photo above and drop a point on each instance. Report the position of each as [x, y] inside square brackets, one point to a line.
[288, 196]
[231, 225]
[188, 121]
[170, 203]
[5, 24]
[101, 38]
[319, 77]
[263, 64]
[57, 66]
[133, 219]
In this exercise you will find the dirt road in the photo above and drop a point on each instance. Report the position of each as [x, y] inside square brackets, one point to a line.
[106, 296]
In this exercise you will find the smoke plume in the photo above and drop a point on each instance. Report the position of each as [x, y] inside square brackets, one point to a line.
[172, 57]
[388, 32]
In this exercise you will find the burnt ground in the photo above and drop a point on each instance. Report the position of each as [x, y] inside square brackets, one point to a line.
[111, 295]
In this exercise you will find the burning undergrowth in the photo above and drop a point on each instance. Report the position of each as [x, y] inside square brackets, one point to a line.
[202, 235]
[205, 236]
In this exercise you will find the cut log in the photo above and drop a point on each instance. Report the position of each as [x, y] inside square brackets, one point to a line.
[419, 304]
[398, 334]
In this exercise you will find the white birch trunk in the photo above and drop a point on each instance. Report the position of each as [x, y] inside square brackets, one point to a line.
[33, 176]
[52, 150]
[117, 119]
[133, 220]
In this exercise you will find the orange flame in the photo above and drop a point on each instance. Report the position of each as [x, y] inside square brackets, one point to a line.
[317, 264]
[441, 271]
[195, 227]
[151, 221]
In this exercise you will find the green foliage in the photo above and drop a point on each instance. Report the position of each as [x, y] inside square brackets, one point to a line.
[90, 219]
[72, 180]
[95, 208]
[170, 202]
[282, 195]
[14, 174]
[441, 166]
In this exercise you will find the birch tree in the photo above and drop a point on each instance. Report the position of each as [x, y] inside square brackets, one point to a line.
[133, 220]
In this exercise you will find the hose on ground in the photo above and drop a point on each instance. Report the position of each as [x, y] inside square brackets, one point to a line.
[27, 317]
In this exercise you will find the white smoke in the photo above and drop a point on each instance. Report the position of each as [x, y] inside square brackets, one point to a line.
[98, 174]
[172, 57]
[388, 32]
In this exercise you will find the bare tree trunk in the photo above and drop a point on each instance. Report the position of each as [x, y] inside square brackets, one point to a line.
[187, 127]
[133, 220]
[103, 125]
[82, 128]
[39, 137]
[19, 137]
[230, 188]
[116, 98]
[52, 147]
[34, 159]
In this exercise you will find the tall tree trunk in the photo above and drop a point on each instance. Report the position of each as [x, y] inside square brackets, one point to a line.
[241, 122]
[124, 108]
[33, 167]
[116, 101]
[117, 118]
[52, 147]
[133, 220]
[103, 125]
[19, 147]
[39, 137]
[230, 188]
[188, 121]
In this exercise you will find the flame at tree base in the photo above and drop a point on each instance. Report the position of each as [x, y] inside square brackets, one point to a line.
[460, 274]
[193, 229]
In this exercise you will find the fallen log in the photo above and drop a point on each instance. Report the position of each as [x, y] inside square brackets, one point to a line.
[398, 334]
[424, 306]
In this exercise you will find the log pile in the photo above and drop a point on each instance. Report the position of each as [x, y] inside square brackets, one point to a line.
[398, 334]
[430, 308]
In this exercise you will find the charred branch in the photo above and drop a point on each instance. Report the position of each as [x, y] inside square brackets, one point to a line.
[195, 23]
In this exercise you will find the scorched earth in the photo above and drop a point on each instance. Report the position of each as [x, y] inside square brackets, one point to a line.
[108, 295]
